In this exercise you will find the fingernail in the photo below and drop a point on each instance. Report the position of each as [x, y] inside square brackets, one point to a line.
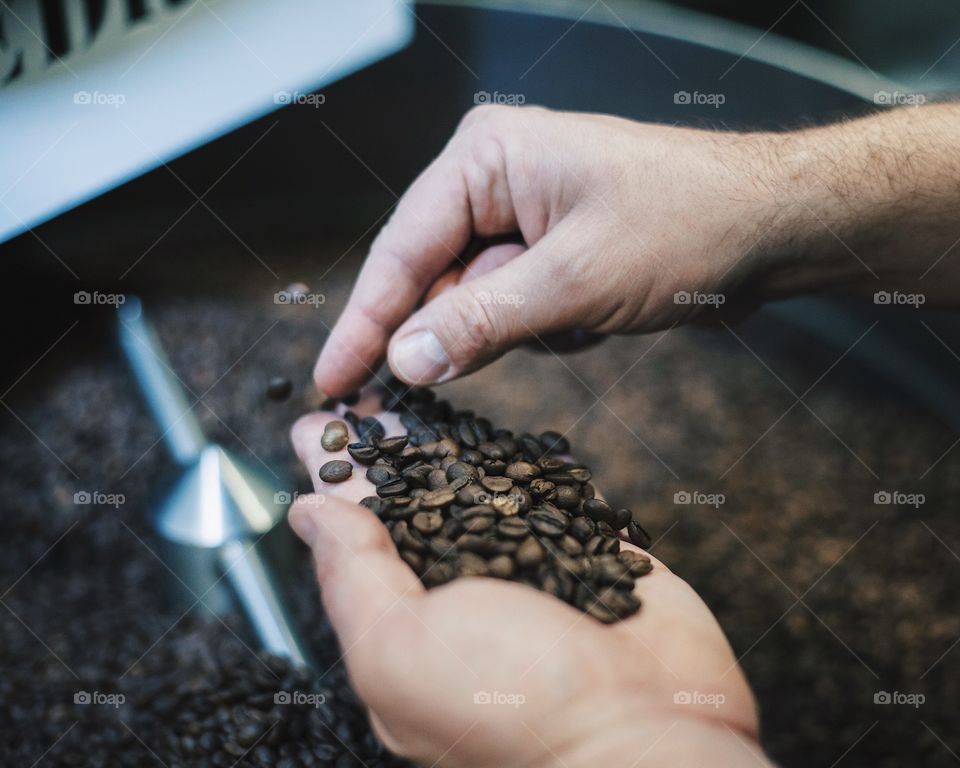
[303, 525]
[420, 358]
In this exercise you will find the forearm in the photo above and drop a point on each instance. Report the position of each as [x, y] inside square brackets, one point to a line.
[866, 205]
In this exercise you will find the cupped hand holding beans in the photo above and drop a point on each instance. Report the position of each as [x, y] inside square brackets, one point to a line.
[487, 672]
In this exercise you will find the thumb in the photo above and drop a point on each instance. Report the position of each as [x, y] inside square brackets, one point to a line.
[473, 323]
[362, 579]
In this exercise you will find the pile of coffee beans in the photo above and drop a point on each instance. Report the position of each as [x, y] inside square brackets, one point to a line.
[463, 498]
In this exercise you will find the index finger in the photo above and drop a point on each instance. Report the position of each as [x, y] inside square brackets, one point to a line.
[429, 229]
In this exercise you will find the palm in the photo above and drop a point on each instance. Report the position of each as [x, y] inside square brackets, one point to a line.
[483, 671]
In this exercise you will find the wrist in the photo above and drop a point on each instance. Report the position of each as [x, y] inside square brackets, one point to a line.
[662, 742]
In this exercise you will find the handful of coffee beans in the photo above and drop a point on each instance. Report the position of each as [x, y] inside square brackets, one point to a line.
[462, 498]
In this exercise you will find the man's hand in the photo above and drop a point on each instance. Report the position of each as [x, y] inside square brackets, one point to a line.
[611, 228]
[616, 217]
[483, 672]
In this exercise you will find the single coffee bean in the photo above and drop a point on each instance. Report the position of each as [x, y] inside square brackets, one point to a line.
[513, 528]
[436, 479]
[620, 519]
[582, 529]
[570, 545]
[607, 569]
[598, 510]
[392, 445]
[497, 484]
[548, 522]
[543, 489]
[521, 471]
[396, 486]
[279, 388]
[554, 442]
[470, 564]
[501, 566]
[530, 552]
[427, 522]
[638, 535]
[639, 565]
[363, 453]
[336, 471]
[566, 496]
[379, 474]
[370, 430]
[459, 469]
[437, 499]
[335, 436]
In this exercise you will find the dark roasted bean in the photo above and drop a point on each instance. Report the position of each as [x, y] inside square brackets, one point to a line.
[336, 471]
[363, 453]
[279, 388]
[554, 442]
[548, 522]
[392, 445]
[638, 535]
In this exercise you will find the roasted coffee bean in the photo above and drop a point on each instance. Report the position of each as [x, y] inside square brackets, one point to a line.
[460, 469]
[513, 528]
[494, 467]
[412, 559]
[447, 447]
[497, 484]
[543, 489]
[554, 442]
[279, 388]
[620, 519]
[530, 552]
[548, 522]
[370, 430]
[363, 453]
[638, 535]
[436, 479]
[638, 565]
[570, 545]
[607, 569]
[379, 474]
[394, 487]
[501, 566]
[442, 497]
[336, 471]
[598, 510]
[566, 496]
[521, 471]
[392, 445]
[582, 529]
[439, 573]
[472, 565]
[335, 436]
[427, 522]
